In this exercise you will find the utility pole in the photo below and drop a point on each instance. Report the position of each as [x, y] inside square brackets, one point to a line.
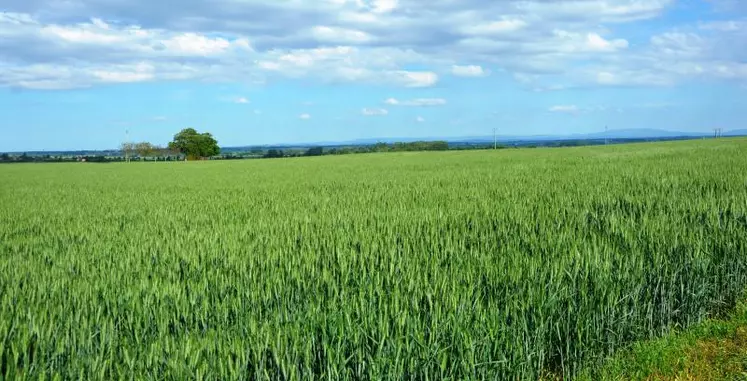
[606, 135]
[495, 138]
[127, 145]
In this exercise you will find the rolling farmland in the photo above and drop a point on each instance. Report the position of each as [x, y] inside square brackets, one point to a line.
[509, 264]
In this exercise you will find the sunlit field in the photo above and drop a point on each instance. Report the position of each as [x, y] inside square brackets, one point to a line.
[508, 264]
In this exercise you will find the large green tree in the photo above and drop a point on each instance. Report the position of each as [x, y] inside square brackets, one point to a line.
[195, 145]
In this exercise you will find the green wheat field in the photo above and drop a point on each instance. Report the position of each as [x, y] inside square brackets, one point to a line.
[511, 264]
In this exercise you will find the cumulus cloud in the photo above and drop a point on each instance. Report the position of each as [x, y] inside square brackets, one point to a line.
[566, 109]
[591, 42]
[304, 116]
[495, 27]
[126, 73]
[348, 64]
[374, 112]
[241, 100]
[468, 71]
[603, 10]
[47, 44]
[339, 35]
[598, 43]
[417, 102]
[132, 38]
[420, 119]
[415, 78]
[384, 6]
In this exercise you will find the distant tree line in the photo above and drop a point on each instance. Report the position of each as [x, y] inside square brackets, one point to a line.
[191, 145]
[420, 146]
[6, 158]
[145, 151]
[273, 153]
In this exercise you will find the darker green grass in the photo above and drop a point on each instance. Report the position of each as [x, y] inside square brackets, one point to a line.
[713, 350]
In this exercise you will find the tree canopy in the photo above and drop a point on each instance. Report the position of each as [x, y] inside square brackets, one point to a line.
[194, 144]
[315, 151]
[145, 149]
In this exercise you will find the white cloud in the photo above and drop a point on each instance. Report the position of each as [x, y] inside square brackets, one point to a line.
[304, 116]
[43, 77]
[607, 78]
[195, 44]
[602, 10]
[359, 17]
[340, 35]
[384, 6]
[270, 66]
[563, 43]
[414, 78]
[81, 35]
[13, 18]
[126, 73]
[135, 39]
[420, 119]
[374, 112]
[241, 100]
[417, 102]
[679, 45]
[572, 42]
[620, 76]
[348, 64]
[493, 27]
[468, 71]
[597, 43]
[567, 109]
[122, 76]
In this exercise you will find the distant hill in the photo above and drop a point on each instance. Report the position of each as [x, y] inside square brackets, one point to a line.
[633, 133]
[639, 133]
[614, 134]
[642, 133]
[736, 133]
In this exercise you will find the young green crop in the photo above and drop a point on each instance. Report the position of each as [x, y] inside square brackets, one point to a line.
[509, 264]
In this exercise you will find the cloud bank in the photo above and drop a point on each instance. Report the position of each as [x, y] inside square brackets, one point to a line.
[47, 45]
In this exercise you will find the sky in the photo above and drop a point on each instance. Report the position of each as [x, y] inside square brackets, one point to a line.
[90, 74]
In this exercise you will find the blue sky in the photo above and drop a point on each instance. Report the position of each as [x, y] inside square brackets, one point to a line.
[79, 74]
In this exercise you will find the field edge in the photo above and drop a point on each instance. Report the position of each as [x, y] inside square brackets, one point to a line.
[713, 350]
